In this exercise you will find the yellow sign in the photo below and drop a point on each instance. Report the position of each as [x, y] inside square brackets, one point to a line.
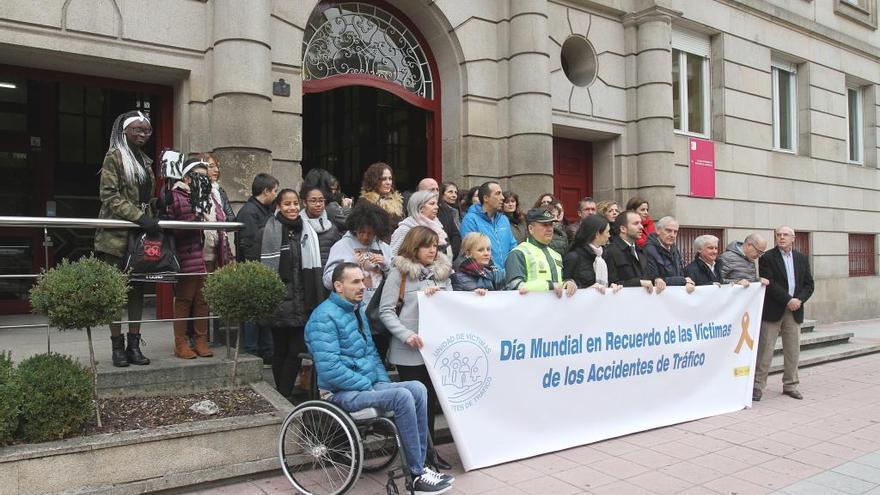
[741, 371]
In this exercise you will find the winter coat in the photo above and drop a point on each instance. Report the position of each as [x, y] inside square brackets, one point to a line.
[648, 228]
[338, 336]
[120, 200]
[559, 243]
[623, 268]
[393, 205]
[496, 228]
[189, 244]
[349, 249]
[337, 214]
[304, 287]
[735, 266]
[228, 212]
[404, 227]
[577, 265]
[664, 263]
[519, 228]
[327, 236]
[701, 274]
[470, 275]
[772, 267]
[406, 324]
[254, 216]
[451, 224]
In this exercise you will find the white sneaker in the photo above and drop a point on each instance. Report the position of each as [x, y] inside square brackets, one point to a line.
[443, 476]
[429, 483]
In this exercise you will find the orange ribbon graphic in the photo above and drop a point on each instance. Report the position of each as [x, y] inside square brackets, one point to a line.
[744, 337]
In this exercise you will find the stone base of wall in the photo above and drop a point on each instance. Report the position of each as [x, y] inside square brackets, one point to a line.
[844, 299]
[145, 461]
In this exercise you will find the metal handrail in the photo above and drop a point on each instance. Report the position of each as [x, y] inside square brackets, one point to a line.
[104, 223]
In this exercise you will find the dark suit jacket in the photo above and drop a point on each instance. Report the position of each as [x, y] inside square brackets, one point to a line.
[447, 219]
[623, 267]
[771, 267]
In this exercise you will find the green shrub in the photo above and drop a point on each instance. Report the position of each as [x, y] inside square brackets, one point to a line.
[80, 294]
[57, 393]
[244, 291]
[10, 398]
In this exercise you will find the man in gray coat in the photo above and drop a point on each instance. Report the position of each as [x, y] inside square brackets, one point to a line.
[738, 260]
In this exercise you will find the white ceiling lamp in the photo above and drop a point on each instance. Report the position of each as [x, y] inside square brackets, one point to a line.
[8, 85]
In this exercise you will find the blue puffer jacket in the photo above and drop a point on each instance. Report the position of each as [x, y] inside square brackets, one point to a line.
[496, 228]
[343, 351]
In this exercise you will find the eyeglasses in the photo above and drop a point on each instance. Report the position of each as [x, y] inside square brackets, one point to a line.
[759, 251]
[141, 132]
[315, 201]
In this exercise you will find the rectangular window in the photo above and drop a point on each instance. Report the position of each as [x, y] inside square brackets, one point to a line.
[862, 255]
[802, 242]
[784, 107]
[854, 125]
[685, 241]
[690, 87]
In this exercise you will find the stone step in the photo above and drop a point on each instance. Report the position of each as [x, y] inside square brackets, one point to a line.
[819, 355]
[808, 326]
[817, 339]
[167, 375]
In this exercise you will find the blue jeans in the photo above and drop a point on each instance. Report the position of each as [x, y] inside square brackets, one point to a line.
[257, 340]
[409, 402]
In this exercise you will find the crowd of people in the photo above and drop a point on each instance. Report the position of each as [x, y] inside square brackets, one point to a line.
[339, 257]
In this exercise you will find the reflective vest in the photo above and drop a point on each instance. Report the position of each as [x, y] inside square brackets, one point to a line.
[537, 267]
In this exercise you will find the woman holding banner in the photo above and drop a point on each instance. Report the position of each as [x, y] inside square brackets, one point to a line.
[418, 267]
[584, 263]
[474, 269]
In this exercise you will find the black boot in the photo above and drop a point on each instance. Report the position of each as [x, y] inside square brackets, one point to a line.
[118, 344]
[133, 351]
[433, 458]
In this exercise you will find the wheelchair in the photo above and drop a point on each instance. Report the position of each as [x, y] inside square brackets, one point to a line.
[323, 448]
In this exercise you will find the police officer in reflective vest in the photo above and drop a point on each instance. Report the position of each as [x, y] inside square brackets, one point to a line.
[532, 265]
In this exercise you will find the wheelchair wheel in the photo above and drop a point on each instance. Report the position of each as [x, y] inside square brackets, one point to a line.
[379, 441]
[320, 449]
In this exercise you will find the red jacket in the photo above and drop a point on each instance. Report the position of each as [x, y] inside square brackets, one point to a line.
[647, 229]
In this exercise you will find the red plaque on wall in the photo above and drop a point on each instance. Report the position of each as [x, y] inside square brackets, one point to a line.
[702, 167]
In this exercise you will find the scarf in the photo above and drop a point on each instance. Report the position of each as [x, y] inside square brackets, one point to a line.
[599, 266]
[274, 243]
[431, 224]
[414, 207]
[321, 224]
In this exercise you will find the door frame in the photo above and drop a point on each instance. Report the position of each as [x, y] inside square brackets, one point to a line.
[434, 124]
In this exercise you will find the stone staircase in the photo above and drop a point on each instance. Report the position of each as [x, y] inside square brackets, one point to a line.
[823, 347]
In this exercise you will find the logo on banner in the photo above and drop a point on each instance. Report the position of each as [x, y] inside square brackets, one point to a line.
[744, 337]
[462, 362]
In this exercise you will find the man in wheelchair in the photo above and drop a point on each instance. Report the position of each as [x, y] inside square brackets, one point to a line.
[351, 375]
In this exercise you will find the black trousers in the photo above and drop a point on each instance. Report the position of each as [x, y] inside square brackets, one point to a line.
[420, 373]
[289, 343]
[382, 342]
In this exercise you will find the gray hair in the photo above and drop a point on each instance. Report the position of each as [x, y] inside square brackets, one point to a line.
[418, 199]
[701, 241]
[663, 222]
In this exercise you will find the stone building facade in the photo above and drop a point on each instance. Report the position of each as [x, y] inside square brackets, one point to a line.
[786, 91]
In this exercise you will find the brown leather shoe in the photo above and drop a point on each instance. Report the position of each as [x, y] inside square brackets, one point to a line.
[794, 394]
[201, 346]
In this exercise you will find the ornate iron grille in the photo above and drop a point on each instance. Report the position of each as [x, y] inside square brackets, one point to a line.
[357, 38]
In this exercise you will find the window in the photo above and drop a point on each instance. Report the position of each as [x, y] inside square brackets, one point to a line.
[862, 255]
[860, 11]
[784, 106]
[854, 126]
[685, 241]
[802, 242]
[690, 82]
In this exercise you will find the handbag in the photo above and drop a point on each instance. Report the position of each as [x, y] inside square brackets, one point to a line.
[377, 327]
[151, 257]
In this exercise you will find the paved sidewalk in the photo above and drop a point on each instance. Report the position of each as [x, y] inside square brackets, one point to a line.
[829, 443]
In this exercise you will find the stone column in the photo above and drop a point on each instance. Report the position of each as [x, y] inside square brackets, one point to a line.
[242, 103]
[654, 177]
[530, 131]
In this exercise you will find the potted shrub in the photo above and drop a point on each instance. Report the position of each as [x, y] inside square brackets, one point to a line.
[241, 292]
[81, 295]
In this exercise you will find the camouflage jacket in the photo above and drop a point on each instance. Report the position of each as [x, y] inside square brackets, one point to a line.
[120, 201]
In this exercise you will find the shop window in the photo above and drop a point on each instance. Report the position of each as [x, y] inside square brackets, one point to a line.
[862, 255]
[854, 119]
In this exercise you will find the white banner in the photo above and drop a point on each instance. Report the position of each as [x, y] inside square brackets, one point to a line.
[519, 376]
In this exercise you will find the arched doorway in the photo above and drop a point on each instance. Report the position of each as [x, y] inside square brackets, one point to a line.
[371, 93]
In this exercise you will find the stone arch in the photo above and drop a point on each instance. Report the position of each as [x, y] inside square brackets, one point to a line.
[101, 17]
